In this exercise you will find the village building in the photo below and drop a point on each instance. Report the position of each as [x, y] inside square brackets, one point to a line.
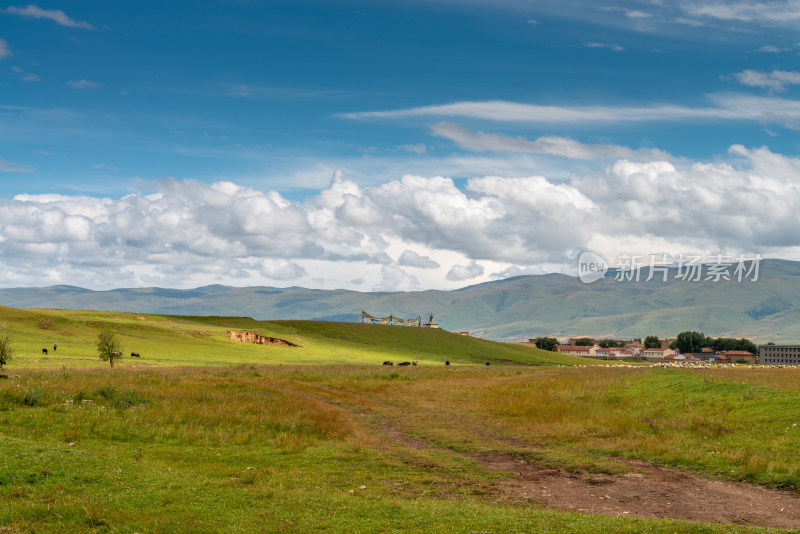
[657, 355]
[575, 350]
[779, 354]
[734, 356]
[635, 348]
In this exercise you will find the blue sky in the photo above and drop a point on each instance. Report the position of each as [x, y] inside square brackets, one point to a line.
[178, 114]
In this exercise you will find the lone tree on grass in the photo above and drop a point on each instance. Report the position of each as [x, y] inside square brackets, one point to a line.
[108, 346]
[6, 350]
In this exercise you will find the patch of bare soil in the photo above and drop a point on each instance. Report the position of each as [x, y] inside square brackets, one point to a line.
[647, 491]
[254, 337]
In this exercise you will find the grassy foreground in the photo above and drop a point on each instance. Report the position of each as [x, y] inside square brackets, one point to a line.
[204, 434]
[313, 449]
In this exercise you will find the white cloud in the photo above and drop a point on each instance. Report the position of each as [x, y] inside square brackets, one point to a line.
[556, 146]
[396, 279]
[409, 258]
[635, 14]
[284, 272]
[724, 106]
[82, 84]
[776, 80]
[56, 15]
[10, 166]
[610, 46]
[184, 233]
[689, 22]
[459, 273]
[418, 148]
[30, 77]
[5, 50]
[770, 49]
[777, 12]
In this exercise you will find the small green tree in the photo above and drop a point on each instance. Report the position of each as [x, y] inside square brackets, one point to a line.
[652, 342]
[584, 342]
[546, 343]
[108, 346]
[6, 350]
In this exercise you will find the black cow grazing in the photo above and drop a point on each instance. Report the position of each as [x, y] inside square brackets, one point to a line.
[44, 351]
[387, 363]
[55, 346]
[487, 364]
[447, 363]
[135, 355]
[404, 363]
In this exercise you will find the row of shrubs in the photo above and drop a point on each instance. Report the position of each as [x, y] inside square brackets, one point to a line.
[45, 397]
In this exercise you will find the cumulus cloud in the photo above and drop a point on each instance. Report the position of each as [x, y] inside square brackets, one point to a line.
[56, 15]
[5, 50]
[464, 272]
[555, 146]
[776, 80]
[187, 230]
[396, 279]
[409, 258]
[286, 271]
[30, 77]
[82, 84]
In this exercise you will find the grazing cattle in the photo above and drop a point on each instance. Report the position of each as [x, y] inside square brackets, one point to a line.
[55, 346]
[3, 377]
[44, 351]
[487, 364]
[387, 363]
[135, 355]
[404, 363]
[414, 363]
[447, 363]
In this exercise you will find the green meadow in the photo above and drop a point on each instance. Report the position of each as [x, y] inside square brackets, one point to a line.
[205, 434]
[175, 340]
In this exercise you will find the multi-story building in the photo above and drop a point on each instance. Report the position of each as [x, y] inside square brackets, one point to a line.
[779, 354]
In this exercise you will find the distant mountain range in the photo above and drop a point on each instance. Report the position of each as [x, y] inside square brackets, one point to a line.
[512, 309]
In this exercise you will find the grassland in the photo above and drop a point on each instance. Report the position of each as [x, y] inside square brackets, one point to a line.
[219, 436]
[174, 340]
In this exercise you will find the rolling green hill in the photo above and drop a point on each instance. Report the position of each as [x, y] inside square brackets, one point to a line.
[185, 340]
[512, 309]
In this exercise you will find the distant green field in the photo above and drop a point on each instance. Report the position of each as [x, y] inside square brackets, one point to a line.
[174, 340]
